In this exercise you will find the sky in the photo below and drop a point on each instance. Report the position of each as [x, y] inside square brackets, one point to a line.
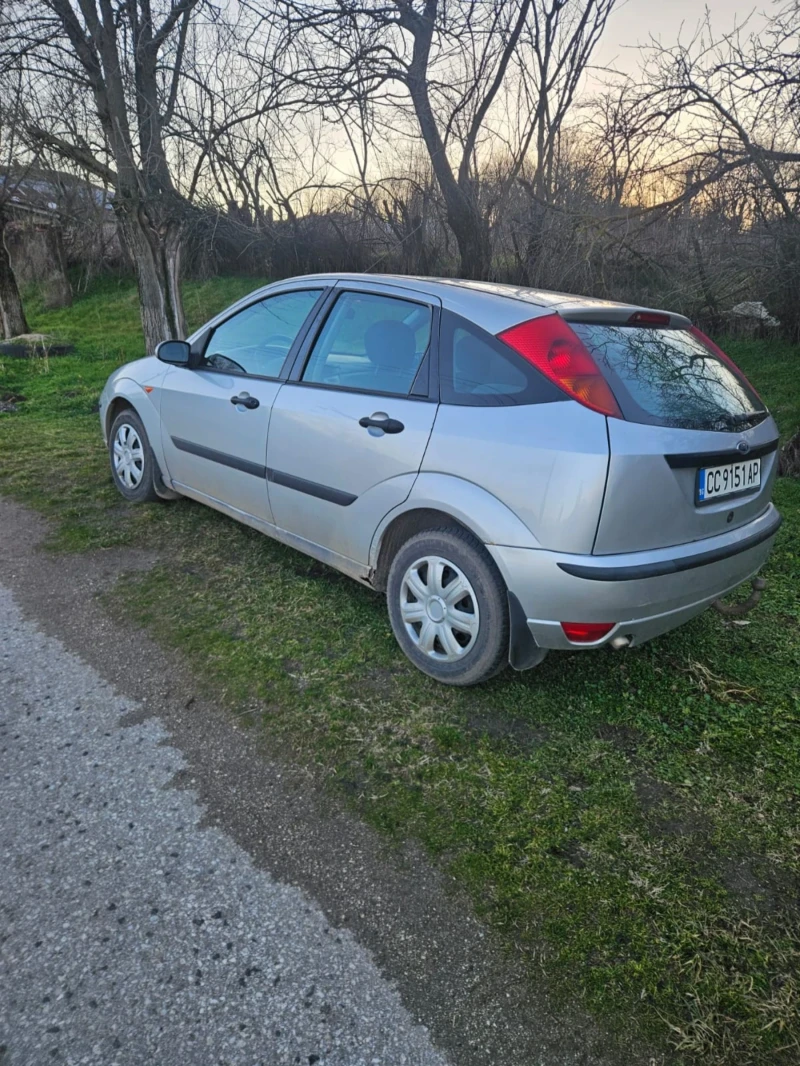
[634, 21]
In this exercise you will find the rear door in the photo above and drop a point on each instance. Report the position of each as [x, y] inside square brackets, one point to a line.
[350, 428]
[696, 453]
[215, 417]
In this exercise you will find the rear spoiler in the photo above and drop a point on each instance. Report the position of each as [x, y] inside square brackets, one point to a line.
[621, 316]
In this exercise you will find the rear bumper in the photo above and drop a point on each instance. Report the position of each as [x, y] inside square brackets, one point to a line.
[645, 593]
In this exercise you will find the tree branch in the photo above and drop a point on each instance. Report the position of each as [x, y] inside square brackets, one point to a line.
[488, 99]
[183, 7]
[166, 118]
[76, 153]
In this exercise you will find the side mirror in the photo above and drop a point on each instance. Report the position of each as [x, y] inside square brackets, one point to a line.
[178, 353]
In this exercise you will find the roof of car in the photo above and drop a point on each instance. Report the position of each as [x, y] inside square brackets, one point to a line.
[491, 305]
[543, 297]
[461, 295]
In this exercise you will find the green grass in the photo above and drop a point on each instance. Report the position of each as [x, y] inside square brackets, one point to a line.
[630, 823]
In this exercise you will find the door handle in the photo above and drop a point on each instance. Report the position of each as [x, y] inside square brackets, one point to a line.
[250, 402]
[388, 425]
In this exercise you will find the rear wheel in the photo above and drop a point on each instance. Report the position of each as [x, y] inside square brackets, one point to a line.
[133, 465]
[448, 607]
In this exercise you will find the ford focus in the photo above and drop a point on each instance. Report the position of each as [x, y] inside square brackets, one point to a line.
[518, 471]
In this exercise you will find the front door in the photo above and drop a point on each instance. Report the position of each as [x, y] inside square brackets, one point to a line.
[215, 418]
[347, 437]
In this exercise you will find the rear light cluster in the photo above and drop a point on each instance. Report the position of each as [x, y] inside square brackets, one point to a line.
[556, 351]
[586, 632]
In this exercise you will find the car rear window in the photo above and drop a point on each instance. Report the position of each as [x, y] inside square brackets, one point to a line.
[668, 377]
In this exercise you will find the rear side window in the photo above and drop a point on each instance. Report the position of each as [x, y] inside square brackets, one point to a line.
[372, 343]
[668, 377]
[477, 370]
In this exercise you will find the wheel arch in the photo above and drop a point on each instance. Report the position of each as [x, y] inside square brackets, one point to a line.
[117, 404]
[400, 529]
[443, 501]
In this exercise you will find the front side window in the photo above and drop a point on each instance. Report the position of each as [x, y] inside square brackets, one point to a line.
[257, 339]
[372, 343]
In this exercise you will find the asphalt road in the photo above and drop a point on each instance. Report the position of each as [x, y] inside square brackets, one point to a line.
[152, 852]
[133, 934]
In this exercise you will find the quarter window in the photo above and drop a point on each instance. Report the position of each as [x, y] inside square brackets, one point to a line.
[477, 370]
[372, 343]
[257, 340]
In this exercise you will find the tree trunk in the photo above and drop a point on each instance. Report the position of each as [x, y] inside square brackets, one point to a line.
[472, 236]
[715, 317]
[121, 40]
[57, 289]
[156, 254]
[173, 255]
[471, 230]
[534, 243]
[11, 310]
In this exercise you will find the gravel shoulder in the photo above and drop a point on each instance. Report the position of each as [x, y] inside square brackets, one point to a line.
[411, 953]
[132, 932]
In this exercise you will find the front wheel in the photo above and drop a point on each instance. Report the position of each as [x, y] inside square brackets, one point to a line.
[448, 607]
[133, 465]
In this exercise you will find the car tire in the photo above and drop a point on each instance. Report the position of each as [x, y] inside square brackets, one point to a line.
[448, 607]
[133, 464]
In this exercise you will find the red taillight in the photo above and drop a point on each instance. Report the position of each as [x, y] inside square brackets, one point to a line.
[586, 632]
[648, 318]
[716, 350]
[553, 348]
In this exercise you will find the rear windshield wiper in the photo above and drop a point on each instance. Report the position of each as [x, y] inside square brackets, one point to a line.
[743, 421]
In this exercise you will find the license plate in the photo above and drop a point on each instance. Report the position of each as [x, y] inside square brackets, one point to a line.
[714, 481]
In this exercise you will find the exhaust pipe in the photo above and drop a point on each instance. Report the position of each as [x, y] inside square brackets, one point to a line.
[620, 642]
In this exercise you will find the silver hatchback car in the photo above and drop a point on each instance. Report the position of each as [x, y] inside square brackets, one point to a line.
[517, 470]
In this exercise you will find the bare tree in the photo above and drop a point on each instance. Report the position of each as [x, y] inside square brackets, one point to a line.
[476, 77]
[619, 138]
[734, 99]
[125, 61]
[731, 104]
[243, 135]
[12, 313]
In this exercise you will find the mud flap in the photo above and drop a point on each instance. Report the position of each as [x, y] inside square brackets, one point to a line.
[523, 651]
[162, 491]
